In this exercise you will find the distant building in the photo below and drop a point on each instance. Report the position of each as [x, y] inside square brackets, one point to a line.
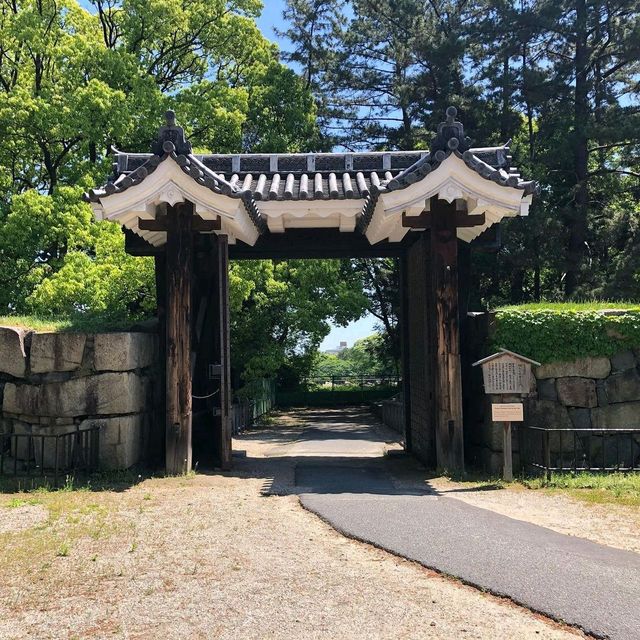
[341, 347]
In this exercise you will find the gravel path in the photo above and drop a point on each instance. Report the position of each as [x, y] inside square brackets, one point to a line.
[609, 524]
[19, 518]
[211, 557]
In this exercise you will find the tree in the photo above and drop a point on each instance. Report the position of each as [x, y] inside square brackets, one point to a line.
[75, 82]
[316, 30]
[571, 68]
[281, 312]
[381, 284]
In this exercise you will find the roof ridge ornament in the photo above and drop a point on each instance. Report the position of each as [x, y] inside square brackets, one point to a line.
[450, 137]
[171, 138]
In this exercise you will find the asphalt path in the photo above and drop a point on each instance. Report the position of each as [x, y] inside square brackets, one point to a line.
[590, 586]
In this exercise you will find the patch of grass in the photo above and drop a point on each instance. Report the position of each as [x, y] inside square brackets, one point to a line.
[597, 488]
[74, 513]
[76, 324]
[585, 305]
[16, 503]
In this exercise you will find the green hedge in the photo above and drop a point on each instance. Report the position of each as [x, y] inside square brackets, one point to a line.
[566, 333]
[328, 398]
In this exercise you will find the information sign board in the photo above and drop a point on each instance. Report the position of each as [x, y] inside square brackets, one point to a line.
[507, 412]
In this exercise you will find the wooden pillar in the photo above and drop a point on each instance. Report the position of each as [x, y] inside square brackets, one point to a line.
[223, 349]
[405, 349]
[448, 378]
[179, 261]
[157, 436]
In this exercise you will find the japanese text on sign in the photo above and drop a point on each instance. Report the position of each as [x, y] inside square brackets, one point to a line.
[506, 376]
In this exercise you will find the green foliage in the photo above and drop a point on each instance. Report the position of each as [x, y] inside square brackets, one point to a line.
[558, 78]
[366, 357]
[55, 261]
[337, 397]
[330, 364]
[74, 82]
[565, 333]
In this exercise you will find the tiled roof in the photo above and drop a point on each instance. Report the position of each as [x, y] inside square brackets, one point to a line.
[320, 176]
[312, 176]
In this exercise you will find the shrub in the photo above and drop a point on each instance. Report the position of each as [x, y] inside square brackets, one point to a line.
[565, 332]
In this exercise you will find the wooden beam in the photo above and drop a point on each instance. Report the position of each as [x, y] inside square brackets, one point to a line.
[197, 224]
[448, 375]
[212, 366]
[157, 439]
[405, 343]
[179, 263]
[134, 245]
[293, 244]
[316, 244]
[424, 220]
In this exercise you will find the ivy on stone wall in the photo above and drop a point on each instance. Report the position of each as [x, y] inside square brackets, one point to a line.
[558, 334]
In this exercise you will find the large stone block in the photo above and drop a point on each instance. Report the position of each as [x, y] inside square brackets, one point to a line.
[13, 356]
[582, 368]
[547, 389]
[124, 351]
[623, 387]
[103, 394]
[56, 352]
[623, 361]
[547, 414]
[617, 416]
[577, 392]
[32, 443]
[120, 440]
[601, 392]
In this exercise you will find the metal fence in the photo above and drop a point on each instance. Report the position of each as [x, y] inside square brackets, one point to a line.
[393, 414]
[23, 454]
[252, 402]
[579, 450]
[362, 381]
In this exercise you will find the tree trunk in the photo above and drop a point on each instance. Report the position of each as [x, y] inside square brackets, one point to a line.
[580, 205]
[179, 377]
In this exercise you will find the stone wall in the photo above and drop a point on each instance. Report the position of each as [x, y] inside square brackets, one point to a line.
[598, 393]
[55, 383]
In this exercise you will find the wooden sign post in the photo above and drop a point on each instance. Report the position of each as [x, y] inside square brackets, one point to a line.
[507, 373]
[507, 413]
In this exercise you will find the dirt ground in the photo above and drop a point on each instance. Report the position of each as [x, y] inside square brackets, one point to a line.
[208, 556]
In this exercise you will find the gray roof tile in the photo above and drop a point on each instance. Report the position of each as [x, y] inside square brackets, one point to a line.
[308, 176]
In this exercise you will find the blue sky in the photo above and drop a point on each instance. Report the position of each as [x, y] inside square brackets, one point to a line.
[349, 334]
[272, 17]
